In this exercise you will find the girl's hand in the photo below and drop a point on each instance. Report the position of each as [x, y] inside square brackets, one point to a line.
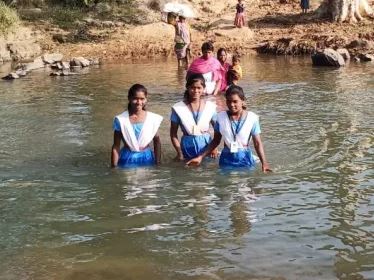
[266, 167]
[195, 161]
[214, 153]
[179, 158]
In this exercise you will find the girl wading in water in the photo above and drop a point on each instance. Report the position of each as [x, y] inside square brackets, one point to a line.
[136, 128]
[236, 126]
[193, 115]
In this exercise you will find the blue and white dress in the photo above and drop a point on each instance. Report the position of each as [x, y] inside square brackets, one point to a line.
[195, 127]
[244, 129]
[137, 137]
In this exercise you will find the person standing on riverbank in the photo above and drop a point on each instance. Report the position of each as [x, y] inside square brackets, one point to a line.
[304, 4]
[209, 67]
[236, 126]
[182, 41]
[136, 128]
[193, 115]
[239, 17]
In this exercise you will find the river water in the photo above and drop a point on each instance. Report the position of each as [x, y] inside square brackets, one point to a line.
[64, 214]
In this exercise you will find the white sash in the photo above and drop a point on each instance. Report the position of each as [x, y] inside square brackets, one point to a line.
[210, 85]
[151, 124]
[244, 134]
[188, 122]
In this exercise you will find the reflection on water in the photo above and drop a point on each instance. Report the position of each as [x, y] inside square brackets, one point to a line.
[66, 215]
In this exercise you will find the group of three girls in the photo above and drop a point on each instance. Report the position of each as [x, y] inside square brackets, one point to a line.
[137, 128]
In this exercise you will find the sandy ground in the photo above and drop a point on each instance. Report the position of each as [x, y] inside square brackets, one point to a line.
[268, 21]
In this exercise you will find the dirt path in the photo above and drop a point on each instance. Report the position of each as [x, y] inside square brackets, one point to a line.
[278, 28]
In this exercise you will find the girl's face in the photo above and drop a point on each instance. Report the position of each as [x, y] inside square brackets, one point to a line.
[234, 104]
[235, 62]
[207, 54]
[195, 90]
[222, 56]
[138, 101]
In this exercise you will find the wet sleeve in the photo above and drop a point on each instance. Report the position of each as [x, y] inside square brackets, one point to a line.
[174, 117]
[256, 129]
[116, 125]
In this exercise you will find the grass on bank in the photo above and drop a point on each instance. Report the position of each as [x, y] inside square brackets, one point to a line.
[9, 19]
[69, 16]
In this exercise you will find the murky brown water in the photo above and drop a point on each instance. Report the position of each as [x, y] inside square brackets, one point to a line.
[66, 215]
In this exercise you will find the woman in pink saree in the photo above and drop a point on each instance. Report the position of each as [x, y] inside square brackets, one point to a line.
[209, 67]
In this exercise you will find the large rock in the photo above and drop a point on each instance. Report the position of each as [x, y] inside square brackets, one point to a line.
[344, 53]
[11, 76]
[79, 62]
[23, 50]
[328, 57]
[366, 57]
[36, 64]
[52, 58]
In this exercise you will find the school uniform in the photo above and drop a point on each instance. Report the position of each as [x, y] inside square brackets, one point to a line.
[195, 127]
[137, 137]
[236, 136]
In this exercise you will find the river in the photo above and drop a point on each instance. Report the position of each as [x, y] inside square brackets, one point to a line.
[66, 215]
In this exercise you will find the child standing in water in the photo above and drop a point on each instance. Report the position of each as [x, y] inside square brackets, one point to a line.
[239, 17]
[235, 72]
[136, 128]
[236, 126]
[193, 115]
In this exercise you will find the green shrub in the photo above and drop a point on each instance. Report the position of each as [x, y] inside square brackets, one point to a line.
[8, 18]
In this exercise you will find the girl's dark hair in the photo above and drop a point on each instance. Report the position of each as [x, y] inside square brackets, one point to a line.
[236, 90]
[236, 57]
[207, 46]
[191, 79]
[221, 50]
[132, 93]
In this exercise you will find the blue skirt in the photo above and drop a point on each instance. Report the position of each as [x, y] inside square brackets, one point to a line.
[243, 158]
[193, 146]
[129, 158]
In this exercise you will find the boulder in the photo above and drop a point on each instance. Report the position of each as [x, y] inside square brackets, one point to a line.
[11, 76]
[31, 13]
[366, 57]
[328, 57]
[52, 58]
[79, 62]
[65, 65]
[36, 64]
[344, 53]
[21, 73]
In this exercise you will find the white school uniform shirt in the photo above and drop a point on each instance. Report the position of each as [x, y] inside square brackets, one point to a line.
[188, 121]
[150, 127]
[243, 136]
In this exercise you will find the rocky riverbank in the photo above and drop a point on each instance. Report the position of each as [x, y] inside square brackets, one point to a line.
[273, 28]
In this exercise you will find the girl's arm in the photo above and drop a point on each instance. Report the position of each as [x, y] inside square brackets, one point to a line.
[157, 148]
[175, 141]
[217, 87]
[212, 145]
[116, 148]
[260, 152]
